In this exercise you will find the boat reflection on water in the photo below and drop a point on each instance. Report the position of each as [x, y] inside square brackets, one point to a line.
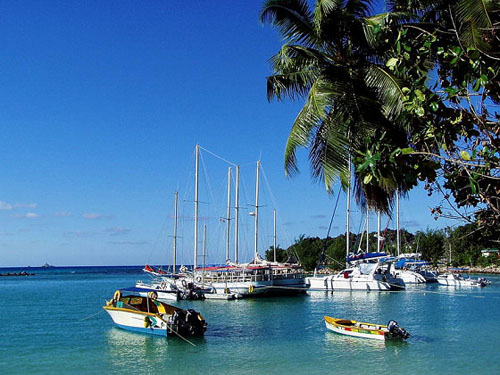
[351, 345]
[142, 350]
[136, 347]
[348, 346]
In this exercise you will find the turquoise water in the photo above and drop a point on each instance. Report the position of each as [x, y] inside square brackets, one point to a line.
[52, 323]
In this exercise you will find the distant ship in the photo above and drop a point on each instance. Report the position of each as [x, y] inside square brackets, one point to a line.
[46, 265]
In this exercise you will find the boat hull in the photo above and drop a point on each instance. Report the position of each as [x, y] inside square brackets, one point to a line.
[458, 283]
[364, 330]
[135, 321]
[333, 282]
[243, 288]
[163, 295]
[410, 277]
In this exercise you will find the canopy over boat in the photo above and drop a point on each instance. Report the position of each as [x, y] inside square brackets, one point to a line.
[364, 256]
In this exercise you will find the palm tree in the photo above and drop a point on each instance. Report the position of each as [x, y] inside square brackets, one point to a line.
[330, 59]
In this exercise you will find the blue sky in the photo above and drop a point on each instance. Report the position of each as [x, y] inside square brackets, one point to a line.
[102, 106]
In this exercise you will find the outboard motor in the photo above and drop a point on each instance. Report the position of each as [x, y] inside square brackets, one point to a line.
[188, 323]
[396, 331]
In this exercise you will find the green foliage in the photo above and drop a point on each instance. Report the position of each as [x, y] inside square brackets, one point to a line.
[450, 80]
[407, 95]
[281, 254]
[330, 59]
[431, 245]
[308, 250]
[467, 241]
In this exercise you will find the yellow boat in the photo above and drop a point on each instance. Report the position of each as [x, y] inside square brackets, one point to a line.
[366, 330]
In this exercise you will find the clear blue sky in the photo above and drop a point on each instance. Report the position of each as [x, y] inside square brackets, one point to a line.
[102, 104]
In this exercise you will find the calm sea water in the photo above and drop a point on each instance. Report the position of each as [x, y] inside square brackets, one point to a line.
[52, 323]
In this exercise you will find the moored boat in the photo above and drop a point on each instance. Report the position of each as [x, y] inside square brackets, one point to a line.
[148, 315]
[456, 279]
[377, 276]
[366, 330]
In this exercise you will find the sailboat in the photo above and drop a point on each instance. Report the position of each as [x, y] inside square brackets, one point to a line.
[367, 271]
[169, 285]
[257, 277]
[408, 276]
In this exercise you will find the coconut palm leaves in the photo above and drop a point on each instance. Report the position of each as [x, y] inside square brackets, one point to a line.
[329, 59]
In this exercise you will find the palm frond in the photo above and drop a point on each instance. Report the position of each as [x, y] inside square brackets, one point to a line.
[323, 9]
[359, 8]
[292, 18]
[388, 89]
[329, 150]
[474, 14]
[317, 106]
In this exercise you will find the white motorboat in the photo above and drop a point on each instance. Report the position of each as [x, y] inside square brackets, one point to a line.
[456, 279]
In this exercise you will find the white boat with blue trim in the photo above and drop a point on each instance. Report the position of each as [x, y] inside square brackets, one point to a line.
[457, 280]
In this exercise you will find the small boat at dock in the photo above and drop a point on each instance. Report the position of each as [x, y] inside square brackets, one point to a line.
[366, 330]
[147, 315]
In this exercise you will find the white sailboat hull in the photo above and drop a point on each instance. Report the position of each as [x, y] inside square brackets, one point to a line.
[368, 283]
[244, 288]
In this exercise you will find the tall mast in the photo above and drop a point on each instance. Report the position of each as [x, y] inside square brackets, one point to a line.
[274, 234]
[197, 154]
[398, 239]
[378, 232]
[175, 231]
[236, 212]
[256, 213]
[204, 252]
[367, 230]
[348, 223]
[228, 212]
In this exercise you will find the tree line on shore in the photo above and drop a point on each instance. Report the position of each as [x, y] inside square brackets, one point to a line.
[460, 246]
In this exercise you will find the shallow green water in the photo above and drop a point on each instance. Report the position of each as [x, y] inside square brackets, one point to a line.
[52, 323]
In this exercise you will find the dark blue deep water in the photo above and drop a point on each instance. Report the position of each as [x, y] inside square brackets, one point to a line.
[53, 323]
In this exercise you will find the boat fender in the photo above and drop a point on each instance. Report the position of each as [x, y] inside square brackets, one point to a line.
[251, 289]
[198, 279]
[184, 283]
[153, 295]
[163, 285]
[117, 296]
